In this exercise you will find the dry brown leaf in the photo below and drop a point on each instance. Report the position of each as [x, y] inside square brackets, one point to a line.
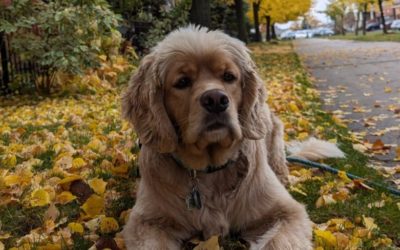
[211, 244]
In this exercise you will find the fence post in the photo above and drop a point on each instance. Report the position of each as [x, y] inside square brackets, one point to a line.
[4, 61]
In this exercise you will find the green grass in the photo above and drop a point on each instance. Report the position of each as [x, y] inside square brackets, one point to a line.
[121, 204]
[30, 129]
[6, 139]
[47, 160]
[373, 36]
[79, 139]
[19, 221]
[112, 126]
[70, 210]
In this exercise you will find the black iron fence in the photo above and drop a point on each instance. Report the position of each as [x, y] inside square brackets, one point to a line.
[16, 74]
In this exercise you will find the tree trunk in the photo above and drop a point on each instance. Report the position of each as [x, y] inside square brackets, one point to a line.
[268, 27]
[358, 20]
[4, 61]
[382, 16]
[364, 23]
[273, 33]
[256, 8]
[200, 13]
[342, 29]
[240, 20]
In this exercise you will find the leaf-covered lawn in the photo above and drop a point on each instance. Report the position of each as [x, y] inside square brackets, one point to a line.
[68, 166]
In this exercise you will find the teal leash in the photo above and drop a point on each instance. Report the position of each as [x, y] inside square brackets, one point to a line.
[312, 164]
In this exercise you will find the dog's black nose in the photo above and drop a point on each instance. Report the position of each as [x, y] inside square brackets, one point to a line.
[214, 101]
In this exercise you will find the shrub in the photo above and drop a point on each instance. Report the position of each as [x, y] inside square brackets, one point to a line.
[146, 22]
[62, 35]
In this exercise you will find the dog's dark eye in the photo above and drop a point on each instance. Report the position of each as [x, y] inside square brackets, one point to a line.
[228, 77]
[183, 82]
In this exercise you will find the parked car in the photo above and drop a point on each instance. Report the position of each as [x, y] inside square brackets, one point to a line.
[388, 22]
[373, 26]
[323, 32]
[304, 34]
[395, 25]
[288, 35]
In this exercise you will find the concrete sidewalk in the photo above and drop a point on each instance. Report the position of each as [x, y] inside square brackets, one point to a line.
[360, 82]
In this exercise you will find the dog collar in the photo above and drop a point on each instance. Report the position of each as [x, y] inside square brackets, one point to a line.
[208, 170]
[193, 199]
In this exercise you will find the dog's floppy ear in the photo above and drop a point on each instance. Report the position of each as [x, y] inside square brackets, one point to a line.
[254, 112]
[143, 106]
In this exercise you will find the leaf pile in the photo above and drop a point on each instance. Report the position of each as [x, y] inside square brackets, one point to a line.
[67, 165]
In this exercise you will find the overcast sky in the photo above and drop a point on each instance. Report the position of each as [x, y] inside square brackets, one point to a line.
[320, 5]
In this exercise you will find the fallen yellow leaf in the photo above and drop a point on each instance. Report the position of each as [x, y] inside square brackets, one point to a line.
[9, 161]
[98, 185]
[325, 237]
[123, 169]
[69, 179]
[342, 240]
[93, 206]
[388, 89]
[397, 150]
[297, 190]
[64, 161]
[360, 147]
[78, 163]
[382, 242]
[50, 246]
[343, 176]
[96, 145]
[65, 197]
[211, 244]
[5, 236]
[39, 197]
[76, 227]
[325, 200]
[302, 136]
[108, 225]
[11, 180]
[293, 107]
[369, 223]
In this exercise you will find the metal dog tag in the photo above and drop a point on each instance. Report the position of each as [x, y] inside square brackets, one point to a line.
[193, 200]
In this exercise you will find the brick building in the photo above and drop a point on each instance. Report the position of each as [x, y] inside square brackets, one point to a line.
[392, 9]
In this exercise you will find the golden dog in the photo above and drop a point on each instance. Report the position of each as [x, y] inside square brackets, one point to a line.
[213, 159]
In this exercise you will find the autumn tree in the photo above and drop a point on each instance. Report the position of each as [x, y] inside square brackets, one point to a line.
[361, 7]
[336, 11]
[277, 11]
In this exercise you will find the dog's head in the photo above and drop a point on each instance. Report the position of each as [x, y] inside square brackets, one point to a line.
[196, 91]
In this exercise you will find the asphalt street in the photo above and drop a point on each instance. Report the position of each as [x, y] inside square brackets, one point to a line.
[359, 82]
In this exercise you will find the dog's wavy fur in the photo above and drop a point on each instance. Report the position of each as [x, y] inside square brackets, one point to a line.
[249, 197]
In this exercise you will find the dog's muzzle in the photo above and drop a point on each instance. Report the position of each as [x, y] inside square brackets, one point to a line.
[215, 101]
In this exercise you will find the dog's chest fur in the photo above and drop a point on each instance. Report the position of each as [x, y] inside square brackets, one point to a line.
[219, 191]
